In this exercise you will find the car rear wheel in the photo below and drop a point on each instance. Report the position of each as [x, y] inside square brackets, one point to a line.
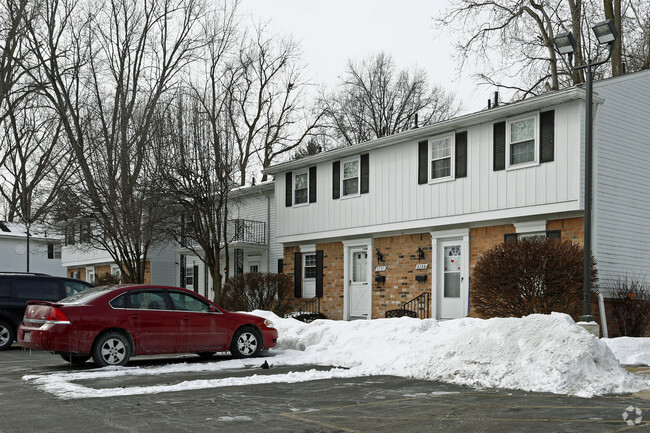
[7, 335]
[111, 349]
[74, 359]
[246, 342]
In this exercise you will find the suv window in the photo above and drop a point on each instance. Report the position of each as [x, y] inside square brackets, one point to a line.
[74, 287]
[5, 287]
[41, 289]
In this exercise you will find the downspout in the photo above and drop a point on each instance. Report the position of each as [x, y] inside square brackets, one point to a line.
[603, 316]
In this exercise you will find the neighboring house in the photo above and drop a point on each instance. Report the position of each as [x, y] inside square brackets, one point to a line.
[251, 240]
[369, 227]
[84, 262]
[44, 249]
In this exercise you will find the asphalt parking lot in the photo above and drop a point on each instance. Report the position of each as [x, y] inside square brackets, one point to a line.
[366, 404]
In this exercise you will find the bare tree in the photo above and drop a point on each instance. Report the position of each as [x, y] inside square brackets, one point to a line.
[265, 101]
[374, 99]
[34, 165]
[637, 39]
[199, 151]
[513, 39]
[105, 67]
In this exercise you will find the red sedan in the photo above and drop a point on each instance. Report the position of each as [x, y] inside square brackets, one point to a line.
[113, 323]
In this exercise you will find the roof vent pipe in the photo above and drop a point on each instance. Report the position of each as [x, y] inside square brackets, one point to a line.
[489, 104]
[496, 99]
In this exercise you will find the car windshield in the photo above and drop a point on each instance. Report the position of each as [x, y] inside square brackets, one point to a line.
[86, 295]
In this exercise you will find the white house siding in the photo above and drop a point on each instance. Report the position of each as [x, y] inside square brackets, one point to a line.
[14, 258]
[621, 242]
[162, 261]
[396, 201]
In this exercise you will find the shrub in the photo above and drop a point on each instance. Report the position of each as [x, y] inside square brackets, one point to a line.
[106, 279]
[535, 275]
[257, 291]
[630, 300]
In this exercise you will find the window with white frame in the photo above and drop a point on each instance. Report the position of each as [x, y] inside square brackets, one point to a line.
[441, 155]
[310, 266]
[350, 180]
[522, 141]
[116, 272]
[301, 188]
[189, 275]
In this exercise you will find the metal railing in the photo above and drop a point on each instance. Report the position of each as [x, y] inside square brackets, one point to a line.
[249, 231]
[311, 306]
[418, 307]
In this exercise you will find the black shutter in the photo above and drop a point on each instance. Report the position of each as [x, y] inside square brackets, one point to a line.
[461, 154]
[499, 146]
[312, 185]
[365, 173]
[547, 136]
[423, 163]
[336, 179]
[280, 266]
[510, 237]
[50, 250]
[319, 273]
[196, 279]
[554, 234]
[182, 261]
[288, 195]
[297, 275]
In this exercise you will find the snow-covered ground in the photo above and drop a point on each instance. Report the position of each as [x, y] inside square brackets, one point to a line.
[545, 353]
[629, 350]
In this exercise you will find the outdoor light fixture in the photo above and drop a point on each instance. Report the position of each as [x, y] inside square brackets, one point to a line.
[565, 43]
[605, 32]
[420, 254]
[380, 256]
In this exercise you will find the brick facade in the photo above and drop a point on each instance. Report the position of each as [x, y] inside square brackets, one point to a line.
[400, 259]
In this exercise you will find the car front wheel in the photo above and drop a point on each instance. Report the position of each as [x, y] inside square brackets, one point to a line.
[246, 342]
[7, 335]
[111, 349]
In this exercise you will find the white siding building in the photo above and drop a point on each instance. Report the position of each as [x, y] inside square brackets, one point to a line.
[384, 220]
[44, 249]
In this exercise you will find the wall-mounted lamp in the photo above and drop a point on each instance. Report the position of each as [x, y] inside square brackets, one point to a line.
[420, 254]
[380, 256]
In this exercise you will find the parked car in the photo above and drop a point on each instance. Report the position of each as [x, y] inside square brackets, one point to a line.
[17, 288]
[113, 323]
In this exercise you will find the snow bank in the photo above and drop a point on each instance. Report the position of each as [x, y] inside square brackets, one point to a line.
[543, 353]
[630, 350]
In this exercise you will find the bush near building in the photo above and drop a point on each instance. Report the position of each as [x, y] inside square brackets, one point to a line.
[630, 305]
[527, 276]
[257, 291]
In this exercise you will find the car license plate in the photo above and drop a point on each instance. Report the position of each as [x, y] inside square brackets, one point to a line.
[28, 336]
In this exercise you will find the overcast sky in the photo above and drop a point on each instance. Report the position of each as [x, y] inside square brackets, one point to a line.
[332, 31]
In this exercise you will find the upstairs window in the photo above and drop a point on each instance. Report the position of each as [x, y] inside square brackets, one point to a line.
[522, 141]
[300, 188]
[350, 177]
[441, 157]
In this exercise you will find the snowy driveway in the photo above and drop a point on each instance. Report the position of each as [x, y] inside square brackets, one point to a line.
[251, 399]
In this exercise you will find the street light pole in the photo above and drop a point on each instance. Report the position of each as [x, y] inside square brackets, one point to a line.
[27, 224]
[565, 43]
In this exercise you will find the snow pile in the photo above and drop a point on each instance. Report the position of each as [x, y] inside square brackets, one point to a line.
[630, 350]
[544, 353]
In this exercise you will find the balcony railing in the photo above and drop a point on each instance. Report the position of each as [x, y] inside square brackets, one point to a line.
[248, 231]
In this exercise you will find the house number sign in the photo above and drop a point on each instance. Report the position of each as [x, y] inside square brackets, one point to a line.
[421, 266]
[380, 268]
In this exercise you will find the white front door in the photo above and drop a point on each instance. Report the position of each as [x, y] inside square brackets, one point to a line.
[359, 287]
[451, 287]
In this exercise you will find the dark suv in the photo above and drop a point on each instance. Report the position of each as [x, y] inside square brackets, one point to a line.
[18, 288]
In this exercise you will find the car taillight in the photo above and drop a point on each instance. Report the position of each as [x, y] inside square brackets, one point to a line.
[57, 316]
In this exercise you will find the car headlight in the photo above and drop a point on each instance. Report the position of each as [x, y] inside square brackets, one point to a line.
[268, 323]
